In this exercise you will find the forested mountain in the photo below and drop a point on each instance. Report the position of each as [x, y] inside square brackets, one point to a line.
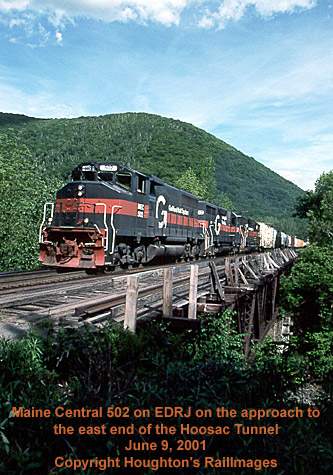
[8, 119]
[164, 147]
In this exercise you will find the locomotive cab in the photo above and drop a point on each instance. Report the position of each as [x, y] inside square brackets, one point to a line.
[79, 230]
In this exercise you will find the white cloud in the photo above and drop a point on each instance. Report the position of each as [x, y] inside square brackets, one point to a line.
[234, 10]
[16, 22]
[58, 18]
[6, 5]
[29, 15]
[42, 104]
[25, 27]
[206, 21]
[166, 12]
[58, 36]
[302, 165]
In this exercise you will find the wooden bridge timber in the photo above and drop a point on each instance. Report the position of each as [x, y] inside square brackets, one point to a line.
[249, 285]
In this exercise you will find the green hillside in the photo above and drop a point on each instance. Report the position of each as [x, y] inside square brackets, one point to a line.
[7, 119]
[163, 147]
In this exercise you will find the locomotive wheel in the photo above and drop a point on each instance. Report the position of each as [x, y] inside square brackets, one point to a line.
[109, 269]
[126, 265]
[98, 271]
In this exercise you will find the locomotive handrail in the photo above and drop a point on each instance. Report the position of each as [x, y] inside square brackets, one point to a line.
[211, 243]
[113, 228]
[203, 227]
[48, 203]
[205, 235]
[97, 228]
[106, 242]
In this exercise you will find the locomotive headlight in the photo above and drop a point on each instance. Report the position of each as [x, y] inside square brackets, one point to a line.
[79, 193]
[80, 187]
[86, 220]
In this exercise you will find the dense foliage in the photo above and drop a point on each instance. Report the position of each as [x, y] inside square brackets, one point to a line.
[23, 189]
[308, 297]
[308, 291]
[317, 206]
[153, 368]
[164, 147]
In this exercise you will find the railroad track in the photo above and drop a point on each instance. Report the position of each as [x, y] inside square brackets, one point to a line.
[88, 299]
[19, 282]
[12, 277]
[11, 282]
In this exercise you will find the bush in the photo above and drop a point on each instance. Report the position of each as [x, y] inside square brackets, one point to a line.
[155, 367]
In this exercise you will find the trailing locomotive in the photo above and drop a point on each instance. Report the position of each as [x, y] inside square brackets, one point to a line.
[110, 215]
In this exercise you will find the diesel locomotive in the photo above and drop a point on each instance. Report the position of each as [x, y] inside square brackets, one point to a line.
[110, 215]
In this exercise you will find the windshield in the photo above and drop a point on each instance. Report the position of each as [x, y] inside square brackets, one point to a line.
[105, 176]
[79, 175]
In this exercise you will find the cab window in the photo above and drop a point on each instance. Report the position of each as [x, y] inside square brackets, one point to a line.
[89, 176]
[105, 176]
[141, 184]
[124, 179]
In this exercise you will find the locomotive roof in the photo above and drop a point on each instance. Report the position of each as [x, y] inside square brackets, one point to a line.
[119, 166]
[122, 167]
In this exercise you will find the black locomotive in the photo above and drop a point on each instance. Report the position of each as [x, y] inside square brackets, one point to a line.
[111, 215]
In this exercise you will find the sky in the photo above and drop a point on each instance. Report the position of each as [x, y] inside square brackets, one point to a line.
[256, 73]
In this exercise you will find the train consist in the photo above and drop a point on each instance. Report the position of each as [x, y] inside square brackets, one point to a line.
[109, 215]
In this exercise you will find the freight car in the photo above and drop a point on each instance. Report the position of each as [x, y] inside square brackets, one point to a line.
[110, 215]
[267, 236]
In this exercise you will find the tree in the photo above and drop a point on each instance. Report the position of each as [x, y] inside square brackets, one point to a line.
[317, 206]
[24, 188]
[190, 182]
[201, 181]
[307, 291]
[207, 175]
[225, 201]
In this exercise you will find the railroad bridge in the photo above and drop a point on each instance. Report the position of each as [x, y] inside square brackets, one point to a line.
[247, 283]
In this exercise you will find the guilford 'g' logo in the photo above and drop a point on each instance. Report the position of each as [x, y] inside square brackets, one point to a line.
[219, 222]
[161, 214]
